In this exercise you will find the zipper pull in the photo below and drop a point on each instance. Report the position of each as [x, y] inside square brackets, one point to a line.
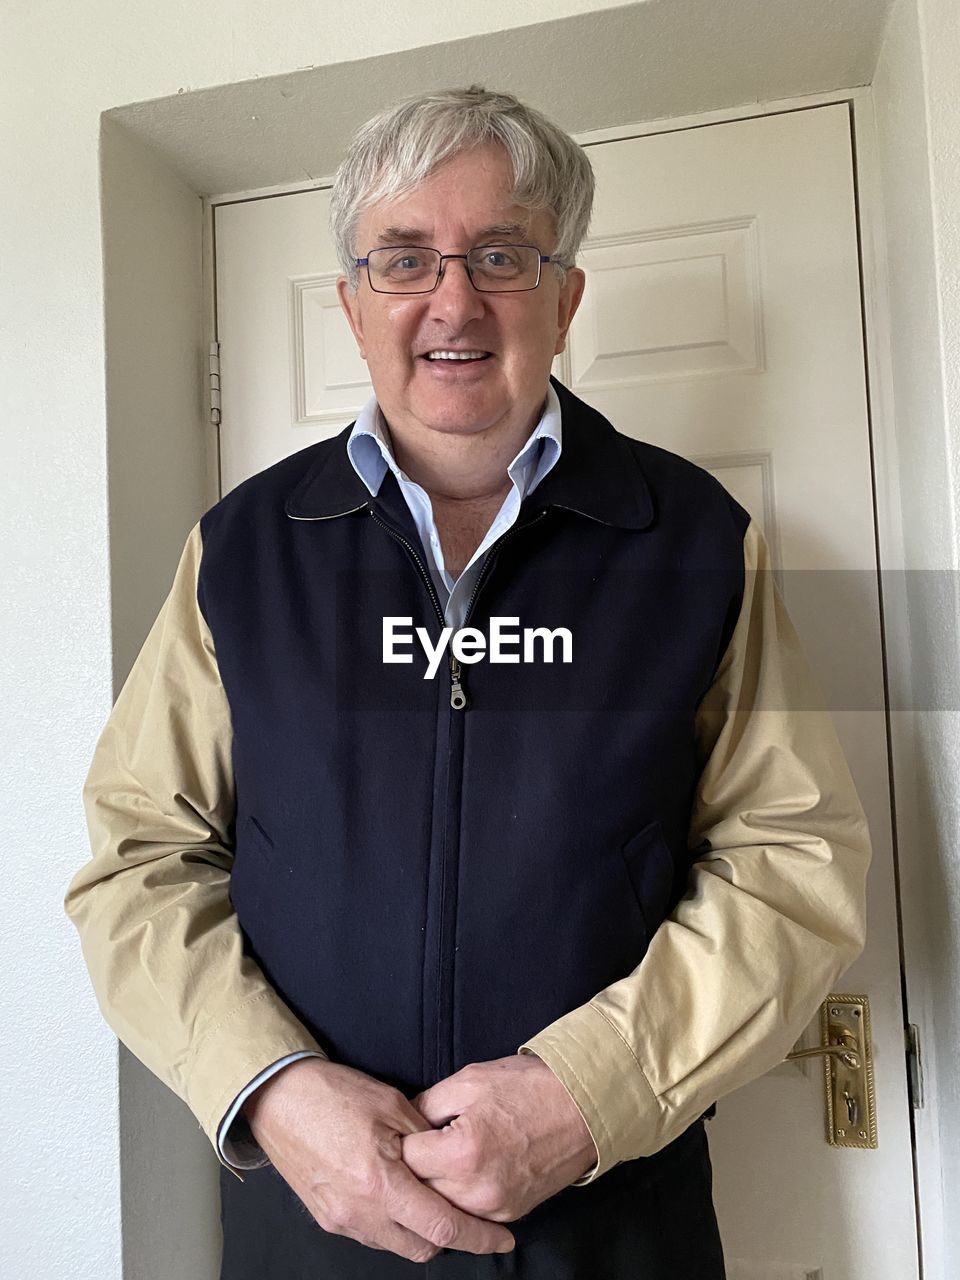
[458, 699]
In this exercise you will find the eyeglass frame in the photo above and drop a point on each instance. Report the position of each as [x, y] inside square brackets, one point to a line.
[365, 262]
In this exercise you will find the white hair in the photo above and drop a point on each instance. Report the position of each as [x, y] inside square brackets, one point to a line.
[396, 150]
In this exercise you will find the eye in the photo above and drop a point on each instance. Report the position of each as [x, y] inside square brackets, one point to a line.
[406, 264]
[500, 258]
[501, 261]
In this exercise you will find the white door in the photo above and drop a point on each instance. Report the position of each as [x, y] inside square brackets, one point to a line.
[721, 320]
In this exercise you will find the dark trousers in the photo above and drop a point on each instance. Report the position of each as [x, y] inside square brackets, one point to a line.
[647, 1219]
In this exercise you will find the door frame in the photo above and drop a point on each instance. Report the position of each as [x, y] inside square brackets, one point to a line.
[878, 374]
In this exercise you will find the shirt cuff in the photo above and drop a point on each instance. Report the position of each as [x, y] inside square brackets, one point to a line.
[239, 1149]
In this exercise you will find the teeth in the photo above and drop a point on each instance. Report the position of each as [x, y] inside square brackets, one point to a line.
[456, 355]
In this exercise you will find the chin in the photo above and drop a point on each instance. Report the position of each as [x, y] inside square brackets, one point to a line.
[464, 425]
[459, 413]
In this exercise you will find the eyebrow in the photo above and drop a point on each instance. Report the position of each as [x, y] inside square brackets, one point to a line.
[417, 236]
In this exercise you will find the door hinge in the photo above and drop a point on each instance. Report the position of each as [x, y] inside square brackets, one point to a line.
[213, 379]
[911, 1039]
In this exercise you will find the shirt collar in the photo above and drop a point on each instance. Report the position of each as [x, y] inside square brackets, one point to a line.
[599, 475]
[370, 454]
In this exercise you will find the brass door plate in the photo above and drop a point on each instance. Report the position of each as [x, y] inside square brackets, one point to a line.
[847, 1052]
[848, 1077]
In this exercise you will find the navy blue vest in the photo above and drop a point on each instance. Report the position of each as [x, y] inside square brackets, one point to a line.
[426, 885]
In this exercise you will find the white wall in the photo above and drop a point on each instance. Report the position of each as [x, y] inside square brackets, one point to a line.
[917, 98]
[161, 476]
[78, 602]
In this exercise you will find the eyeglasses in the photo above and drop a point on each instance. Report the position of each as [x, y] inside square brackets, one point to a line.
[492, 268]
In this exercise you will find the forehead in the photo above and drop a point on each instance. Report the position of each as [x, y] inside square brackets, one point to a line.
[422, 232]
[467, 197]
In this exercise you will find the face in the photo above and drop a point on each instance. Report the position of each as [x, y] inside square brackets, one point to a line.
[521, 331]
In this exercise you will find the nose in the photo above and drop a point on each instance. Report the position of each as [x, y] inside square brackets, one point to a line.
[455, 300]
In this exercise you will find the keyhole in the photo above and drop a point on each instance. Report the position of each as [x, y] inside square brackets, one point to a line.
[852, 1109]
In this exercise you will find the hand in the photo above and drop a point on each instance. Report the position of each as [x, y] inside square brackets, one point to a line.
[333, 1133]
[511, 1137]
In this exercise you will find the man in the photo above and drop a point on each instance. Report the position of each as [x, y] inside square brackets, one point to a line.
[357, 842]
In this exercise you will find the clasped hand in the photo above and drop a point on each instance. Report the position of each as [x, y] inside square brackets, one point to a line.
[475, 1150]
[505, 1136]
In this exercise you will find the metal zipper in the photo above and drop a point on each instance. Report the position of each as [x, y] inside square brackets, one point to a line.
[420, 565]
[495, 546]
[458, 702]
[458, 697]
[394, 533]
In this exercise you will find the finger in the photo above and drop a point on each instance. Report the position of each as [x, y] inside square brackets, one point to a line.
[430, 1216]
[397, 1239]
[408, 1119]
[441, 1104]
[430, 1154]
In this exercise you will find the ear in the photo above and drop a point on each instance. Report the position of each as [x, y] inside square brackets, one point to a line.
[567, 304]
[350, 304]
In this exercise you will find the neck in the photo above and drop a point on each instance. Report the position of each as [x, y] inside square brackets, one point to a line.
[460, 469]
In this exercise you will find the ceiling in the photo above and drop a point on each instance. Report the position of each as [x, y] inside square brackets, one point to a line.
[637, 62]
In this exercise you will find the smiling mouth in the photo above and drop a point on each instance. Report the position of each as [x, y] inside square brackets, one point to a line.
[455, 357]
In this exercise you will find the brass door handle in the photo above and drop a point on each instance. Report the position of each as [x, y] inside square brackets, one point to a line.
[845, 1047]
[847, 1051]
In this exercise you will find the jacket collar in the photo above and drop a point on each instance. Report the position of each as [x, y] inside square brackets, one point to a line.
[597, 475]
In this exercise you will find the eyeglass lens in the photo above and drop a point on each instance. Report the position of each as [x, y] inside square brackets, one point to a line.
[495, 268]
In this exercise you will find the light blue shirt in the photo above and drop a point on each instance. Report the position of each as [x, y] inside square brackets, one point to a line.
[369, 451]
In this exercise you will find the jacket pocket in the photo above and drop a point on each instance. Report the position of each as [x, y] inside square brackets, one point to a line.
[649, 865]
[257, 835]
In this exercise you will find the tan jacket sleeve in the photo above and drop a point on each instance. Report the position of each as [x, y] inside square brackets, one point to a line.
[773, 914]
[152, 906]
